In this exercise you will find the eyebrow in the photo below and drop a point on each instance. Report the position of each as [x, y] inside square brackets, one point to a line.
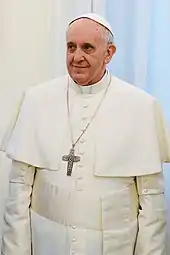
[84, 44]
[71, 43]
[88, 44]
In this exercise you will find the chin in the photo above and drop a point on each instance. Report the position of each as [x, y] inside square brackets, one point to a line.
[80, 79]
[81, 83]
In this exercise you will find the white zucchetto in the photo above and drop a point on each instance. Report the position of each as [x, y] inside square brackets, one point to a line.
[95, 17]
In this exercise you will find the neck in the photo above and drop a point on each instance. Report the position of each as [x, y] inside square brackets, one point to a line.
[92, 82]
[92, 88]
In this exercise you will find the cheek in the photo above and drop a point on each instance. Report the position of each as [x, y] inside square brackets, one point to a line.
[69, 58]
[96, 63]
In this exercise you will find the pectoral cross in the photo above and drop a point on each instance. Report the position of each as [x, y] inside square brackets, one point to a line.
[71, 159]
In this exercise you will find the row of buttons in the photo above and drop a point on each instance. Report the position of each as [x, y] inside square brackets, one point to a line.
[73, 240]
[78, 181]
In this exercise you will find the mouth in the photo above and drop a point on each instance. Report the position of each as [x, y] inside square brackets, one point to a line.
[83, 67]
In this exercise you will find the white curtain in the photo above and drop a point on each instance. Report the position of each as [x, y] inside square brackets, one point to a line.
[32, 50]
[142, 36]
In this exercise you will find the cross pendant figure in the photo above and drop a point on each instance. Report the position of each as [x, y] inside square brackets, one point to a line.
[71, 159]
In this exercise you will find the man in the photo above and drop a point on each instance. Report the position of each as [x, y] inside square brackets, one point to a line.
[87, 152]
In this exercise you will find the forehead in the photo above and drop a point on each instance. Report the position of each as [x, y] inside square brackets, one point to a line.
[84, 30]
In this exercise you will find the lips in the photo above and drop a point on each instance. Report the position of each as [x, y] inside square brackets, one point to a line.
[80, 66]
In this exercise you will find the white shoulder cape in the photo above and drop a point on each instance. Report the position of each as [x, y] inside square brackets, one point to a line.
[38, 123]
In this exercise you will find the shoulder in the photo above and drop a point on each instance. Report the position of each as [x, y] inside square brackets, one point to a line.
[130, 93]
[47, 89]
[41, 96]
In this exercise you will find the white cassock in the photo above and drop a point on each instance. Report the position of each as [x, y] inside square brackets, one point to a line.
[113, 203]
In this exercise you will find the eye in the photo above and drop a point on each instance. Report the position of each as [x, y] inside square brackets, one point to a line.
[88, 48]
[71, 47]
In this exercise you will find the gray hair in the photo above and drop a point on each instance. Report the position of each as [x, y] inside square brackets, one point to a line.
[107, 36]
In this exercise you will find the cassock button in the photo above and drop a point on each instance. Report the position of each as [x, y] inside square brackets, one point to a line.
[85, 106]
[82, 141]
[79, 177]
[145, 191]
[74, 239]
[73, 227]
[81, 152]
[79, 189]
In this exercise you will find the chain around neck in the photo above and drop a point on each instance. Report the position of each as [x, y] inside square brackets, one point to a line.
[92, 118]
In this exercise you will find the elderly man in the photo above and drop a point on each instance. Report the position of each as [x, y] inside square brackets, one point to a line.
[87, 152]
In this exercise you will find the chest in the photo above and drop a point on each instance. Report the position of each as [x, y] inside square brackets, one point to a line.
[108, 137]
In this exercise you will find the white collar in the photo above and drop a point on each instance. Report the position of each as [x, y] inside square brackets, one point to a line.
[91, 89]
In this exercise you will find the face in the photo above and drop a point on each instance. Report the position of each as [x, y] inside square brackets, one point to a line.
[88, 53]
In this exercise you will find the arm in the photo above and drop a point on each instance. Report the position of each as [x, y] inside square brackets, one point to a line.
[16, 237]
[151, 239]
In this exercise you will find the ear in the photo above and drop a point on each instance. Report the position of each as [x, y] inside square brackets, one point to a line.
[111, 49]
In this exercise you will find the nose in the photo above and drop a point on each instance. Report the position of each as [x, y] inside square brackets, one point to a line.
[78, 55]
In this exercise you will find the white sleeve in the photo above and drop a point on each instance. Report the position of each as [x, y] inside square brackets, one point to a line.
[163, 134]
[16, 238]
[151, 239]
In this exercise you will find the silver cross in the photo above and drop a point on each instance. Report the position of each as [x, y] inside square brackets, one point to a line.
[71, 159]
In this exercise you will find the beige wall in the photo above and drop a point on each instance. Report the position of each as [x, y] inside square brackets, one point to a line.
[32, 50]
